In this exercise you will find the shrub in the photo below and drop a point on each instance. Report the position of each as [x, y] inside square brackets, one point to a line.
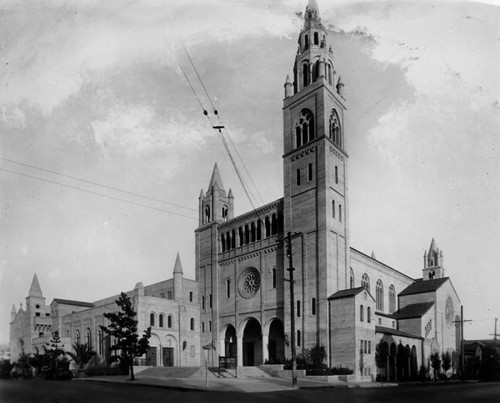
[5, 368]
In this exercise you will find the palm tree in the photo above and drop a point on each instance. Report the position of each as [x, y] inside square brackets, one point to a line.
[83, 353]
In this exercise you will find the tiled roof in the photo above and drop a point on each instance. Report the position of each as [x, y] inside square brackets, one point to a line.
[395, 332]
[71, 302]
[422, 286]
[350, 292]
[413, 310]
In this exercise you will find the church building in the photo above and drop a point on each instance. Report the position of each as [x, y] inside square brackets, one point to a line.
[240, 301]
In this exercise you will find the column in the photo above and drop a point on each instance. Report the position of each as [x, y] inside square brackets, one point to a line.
[239, 351]
[265, 348]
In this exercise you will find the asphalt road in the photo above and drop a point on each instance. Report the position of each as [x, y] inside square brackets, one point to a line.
[40, 391]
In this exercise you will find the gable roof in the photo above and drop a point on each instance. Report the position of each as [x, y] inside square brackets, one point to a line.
[395, 332]
[350, 292]
[422, 286]
[413, 310]
[71, 302]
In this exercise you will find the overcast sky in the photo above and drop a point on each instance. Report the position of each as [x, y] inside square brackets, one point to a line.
[93, 90]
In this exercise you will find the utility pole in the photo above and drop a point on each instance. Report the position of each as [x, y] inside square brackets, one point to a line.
[495, 340]
[292, 308]
[462, 355]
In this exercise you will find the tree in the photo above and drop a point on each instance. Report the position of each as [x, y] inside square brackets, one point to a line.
[318, 356]
[123, 328]
[446, 361]
[435, 363]
[83, 353]
[381, 354]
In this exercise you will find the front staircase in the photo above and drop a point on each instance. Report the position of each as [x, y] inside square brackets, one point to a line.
[170, 372]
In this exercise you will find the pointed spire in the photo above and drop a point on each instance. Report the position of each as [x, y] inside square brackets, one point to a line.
[178, 264]
[216, 178]
[340, 86]
[230, 194]
[13, 313]
[433, 247]
[288, 87]
[35, 290]
[202, 194]
[373, 255]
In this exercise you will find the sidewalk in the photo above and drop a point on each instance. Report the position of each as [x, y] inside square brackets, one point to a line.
[246, 385]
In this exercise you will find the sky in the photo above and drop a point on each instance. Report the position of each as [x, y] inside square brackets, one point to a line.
[94, 90]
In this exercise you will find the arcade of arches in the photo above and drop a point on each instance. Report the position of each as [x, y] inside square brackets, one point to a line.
[254, 344]
[402, 361]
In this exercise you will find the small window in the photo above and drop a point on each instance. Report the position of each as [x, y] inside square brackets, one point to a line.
[193, 351]
[366, 347]
[298, 177]
[228, 288]
[368, 315]
[192, 323]
[203, 327]
[152, 319]
[203, 302]
[298, 309]
[333, 208]
[298, 338]
[190, 296]
[369, 347]
[169, 295]
[37, 313]
[210, 325]
[47, 314]
[379, 321]
[210, 300]
[336, 175]
[274, 277]
[313, 306]
[361, 346]
[316, 38]
[162, 295]
[310, 172]
[161, 321]
[361, 313]
[340, 212]
[169, 322]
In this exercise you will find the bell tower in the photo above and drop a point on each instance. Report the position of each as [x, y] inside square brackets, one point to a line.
[315, 178]
[433, 263]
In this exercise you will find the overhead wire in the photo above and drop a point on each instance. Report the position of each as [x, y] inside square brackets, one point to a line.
[96, 193]
[96, 184]
[219, 129]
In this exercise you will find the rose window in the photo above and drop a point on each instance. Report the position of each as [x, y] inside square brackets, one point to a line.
[249, 282]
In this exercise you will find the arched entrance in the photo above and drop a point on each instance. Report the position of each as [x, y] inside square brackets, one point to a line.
[276, 344]
[252, 343]
[230, 346]
[401, 362]
[414, 363]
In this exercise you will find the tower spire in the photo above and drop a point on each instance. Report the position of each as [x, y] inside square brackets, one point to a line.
[216, 178]
[178, 264]
[35, 290]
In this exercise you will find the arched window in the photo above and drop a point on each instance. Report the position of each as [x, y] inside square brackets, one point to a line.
[361, 313]
[306, 41]
[223, 242]
[305, 74]
[207, 213]
[274, 277]
[241, 236]
[88, 337]
[267, 224]
[333, 208]
[351, 279]
[392, 299]
[365, 282]
[304, 128]
[335, 134]
[152, 319]
[274, 225]
[233, 239]
[368, 315]
[259, 229]
[228, 288]
[224, 213]
[329, 73]
[192, 323]
[313, 306]
[336, 174]
[252, 232]
[161, 320]
[298, 338]
[169, 321]
[77, 336]
[298, 177]
[228, 241]
[340, 212]
[380, 295]
[247, 234]
[316, 38]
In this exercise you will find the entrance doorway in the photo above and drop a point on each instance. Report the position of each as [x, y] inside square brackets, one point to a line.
[151, 357]
[252, 343]
[276, 343]
[168, 357]
[230, 342]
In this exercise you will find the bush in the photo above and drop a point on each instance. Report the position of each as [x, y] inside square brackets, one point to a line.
[380, 378]
[5, 368]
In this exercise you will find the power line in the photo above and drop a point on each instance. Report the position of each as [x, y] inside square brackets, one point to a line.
[97, 194]
[96, 184]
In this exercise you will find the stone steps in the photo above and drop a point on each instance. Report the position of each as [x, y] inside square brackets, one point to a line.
[170, 372]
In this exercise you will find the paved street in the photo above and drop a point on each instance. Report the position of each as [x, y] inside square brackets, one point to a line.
[41, 391]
